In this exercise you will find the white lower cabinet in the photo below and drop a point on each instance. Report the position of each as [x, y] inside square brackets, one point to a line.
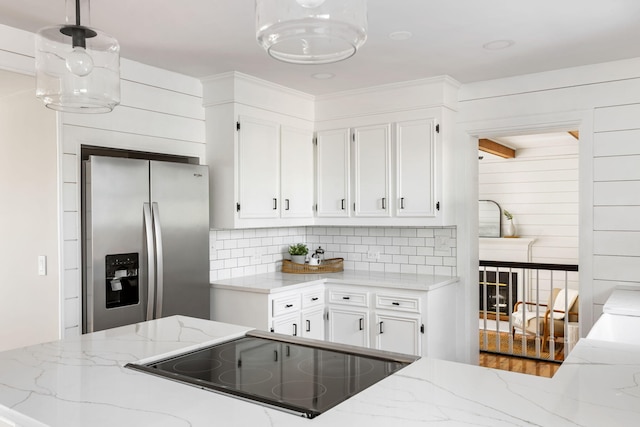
[349, 326]
[299, 313]
[421, 323]
[313, 323]
[287, 324]
[399, 333]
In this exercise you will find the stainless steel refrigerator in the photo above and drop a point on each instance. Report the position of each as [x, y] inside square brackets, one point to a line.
[145, 241]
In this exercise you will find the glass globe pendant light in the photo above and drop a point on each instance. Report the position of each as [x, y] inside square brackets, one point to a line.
[77, 67]
[311, 31]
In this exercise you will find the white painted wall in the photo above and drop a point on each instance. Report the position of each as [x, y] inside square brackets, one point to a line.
[29, 303]
[161, 111]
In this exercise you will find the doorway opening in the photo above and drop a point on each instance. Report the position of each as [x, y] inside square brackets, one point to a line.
[534, 181]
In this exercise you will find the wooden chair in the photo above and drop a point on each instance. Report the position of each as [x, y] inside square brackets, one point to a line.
[538, 322]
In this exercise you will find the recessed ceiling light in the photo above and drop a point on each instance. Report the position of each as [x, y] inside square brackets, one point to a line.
[323, 76]
[498, 44]
[400, 35]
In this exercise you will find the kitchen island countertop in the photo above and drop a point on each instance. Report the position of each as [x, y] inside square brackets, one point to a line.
[81, 381]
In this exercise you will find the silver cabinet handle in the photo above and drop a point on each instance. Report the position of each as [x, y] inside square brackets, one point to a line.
[308, 325]
[287, 204]
[295, 330]
[384, 203]
[275, 204]
[342, 204]
[401, 202]
[381, 329]
[157, 228]
[361, 324]
[151, 265]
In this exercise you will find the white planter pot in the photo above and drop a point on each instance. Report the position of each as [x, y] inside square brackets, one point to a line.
[298, 259]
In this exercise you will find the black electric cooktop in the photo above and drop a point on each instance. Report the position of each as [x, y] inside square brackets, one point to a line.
[301, 376]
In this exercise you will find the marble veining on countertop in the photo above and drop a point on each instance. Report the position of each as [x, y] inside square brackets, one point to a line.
[80, 382]
[278, 281]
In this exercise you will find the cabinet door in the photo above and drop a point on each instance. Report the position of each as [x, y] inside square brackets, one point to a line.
[372, 160]
[287, 325]
[349, 326]
[258, 168]
[296, 174]
[332, 183]
[415, 168]
[313, 324]
[399, 333]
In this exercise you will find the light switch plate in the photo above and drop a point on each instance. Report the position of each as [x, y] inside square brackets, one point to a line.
[42, 265]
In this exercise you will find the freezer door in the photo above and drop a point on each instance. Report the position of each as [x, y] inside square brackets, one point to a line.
[115, 257]
[180, 204]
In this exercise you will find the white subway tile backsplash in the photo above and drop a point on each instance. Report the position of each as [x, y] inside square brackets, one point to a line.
[409, 250]
[384, 241]
[408, 269]
[425, 232]
[392, 232]
[408, 232]
[417, 241]
[376, 231]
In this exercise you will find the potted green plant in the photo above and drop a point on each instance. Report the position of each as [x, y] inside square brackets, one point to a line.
[298, 252]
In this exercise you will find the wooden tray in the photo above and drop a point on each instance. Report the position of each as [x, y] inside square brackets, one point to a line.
[331, 265]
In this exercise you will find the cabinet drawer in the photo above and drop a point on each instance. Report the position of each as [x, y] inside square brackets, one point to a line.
[399, 303]
[313, 298]
[285, 304]
[359, 299]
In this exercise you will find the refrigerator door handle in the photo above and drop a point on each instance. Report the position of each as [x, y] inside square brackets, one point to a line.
[159, 259]
[151, 280]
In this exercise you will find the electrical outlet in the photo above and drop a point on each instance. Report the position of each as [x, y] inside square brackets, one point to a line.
[373, 255]
[442, 243]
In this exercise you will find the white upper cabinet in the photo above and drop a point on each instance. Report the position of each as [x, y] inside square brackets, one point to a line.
[296, 172]
[380, 159]
[258, 168]
[372, 161]
[415, 169]
[332, 173]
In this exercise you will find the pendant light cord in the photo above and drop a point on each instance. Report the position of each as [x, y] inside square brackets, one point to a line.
[78, 12]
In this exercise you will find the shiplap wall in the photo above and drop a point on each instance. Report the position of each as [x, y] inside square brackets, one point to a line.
[616, 198]
[540, 188]
[601, 101]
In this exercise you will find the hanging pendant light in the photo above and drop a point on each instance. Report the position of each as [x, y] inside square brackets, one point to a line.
[311, 31]
[77, 67]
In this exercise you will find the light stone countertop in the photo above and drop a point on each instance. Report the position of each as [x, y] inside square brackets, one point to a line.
[82, 382]
[279, 282]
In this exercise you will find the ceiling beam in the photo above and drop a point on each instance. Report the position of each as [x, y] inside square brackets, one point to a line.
[492, 147]
[575, 134]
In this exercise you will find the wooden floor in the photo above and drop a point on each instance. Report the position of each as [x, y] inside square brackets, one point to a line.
[518, 364]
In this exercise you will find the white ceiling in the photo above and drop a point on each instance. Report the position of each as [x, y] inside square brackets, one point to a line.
[206, 37]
